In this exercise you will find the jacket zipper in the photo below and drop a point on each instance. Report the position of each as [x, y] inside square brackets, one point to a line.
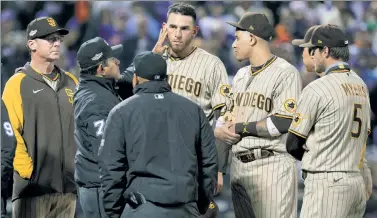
[61, 129]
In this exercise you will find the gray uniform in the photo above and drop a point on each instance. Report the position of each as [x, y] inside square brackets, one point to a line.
[270, 183]
[202, 78]
[333, 114]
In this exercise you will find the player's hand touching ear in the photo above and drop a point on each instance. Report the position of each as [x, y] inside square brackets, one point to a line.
[160, 48]
[226, 133]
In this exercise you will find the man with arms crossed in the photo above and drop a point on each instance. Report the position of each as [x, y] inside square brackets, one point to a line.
[332, 120]
[309, 64]
[264, 95]
[39, 98]
[93, 101]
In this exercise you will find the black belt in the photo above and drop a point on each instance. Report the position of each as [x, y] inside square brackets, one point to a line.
[248, 156]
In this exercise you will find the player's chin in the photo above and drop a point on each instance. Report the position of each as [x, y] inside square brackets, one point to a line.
[54, 56]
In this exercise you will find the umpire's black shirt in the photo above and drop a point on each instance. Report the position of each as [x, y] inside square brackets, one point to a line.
[93, 101]
[161, 145]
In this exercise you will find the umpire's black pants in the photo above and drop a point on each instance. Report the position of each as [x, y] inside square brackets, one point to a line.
[148, 210]
[91, 202]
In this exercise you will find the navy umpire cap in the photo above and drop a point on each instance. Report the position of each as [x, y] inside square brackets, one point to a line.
[95, 50]
[327, 36]
[43, 26]
[256, 24]
[150, 66]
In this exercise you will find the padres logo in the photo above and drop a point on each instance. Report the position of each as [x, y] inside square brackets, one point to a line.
[51, 22]
[69, 93]
[211, 205]
[297, 118]
[225, 90]
[290, 105]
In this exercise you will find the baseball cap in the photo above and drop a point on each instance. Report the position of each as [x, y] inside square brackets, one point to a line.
[150, 66]
[95, 50]
[327, 35]
[43, 26]
[307, 37]
[256, 24]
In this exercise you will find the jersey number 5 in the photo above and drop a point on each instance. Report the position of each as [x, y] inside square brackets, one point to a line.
[357, 120]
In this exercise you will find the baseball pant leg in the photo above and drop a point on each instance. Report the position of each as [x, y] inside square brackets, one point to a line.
[33, 207]
[271, 184]
[64, 205]
[90, 202]
[334, 195]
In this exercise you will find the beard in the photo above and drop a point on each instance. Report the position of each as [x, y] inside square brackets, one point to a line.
[319, 67]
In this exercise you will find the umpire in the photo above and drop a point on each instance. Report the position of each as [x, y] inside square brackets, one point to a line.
[158, 152]
[93, 100]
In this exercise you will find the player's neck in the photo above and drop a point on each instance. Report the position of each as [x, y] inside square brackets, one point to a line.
[184, 53]
[41, 66]
[259, 58]
[331, 61]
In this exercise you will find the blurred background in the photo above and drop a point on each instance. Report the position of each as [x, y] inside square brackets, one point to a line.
[136, 25]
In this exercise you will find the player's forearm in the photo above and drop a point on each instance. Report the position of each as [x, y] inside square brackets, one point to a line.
[270, 127]
[295, 146]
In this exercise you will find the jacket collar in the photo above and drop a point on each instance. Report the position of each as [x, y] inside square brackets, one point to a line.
[28, 70]
[152, 87]
[107, 83]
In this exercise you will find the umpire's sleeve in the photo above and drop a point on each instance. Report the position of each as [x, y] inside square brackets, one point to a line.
[208, 166]
[125, 82]
[113, 164]
[8, 149]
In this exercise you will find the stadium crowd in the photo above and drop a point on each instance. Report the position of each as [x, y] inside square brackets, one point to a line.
[136, 26]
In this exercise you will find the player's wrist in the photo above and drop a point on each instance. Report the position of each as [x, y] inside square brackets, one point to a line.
[246, 129]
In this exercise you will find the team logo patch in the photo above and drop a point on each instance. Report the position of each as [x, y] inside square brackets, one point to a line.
[51, 22]
[69, 93]
[225, 90]
[297, 118]
[211, 205]
[290, 105]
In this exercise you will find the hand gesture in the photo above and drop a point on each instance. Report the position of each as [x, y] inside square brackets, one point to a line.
[160, 48]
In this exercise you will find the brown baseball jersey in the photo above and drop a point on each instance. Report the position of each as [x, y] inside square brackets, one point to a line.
[200, 77]
[333, 114]
[272, 90]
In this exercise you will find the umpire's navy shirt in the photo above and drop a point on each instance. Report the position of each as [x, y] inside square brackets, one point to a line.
[161, 145]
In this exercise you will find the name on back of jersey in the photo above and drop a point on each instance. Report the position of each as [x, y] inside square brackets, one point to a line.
[354, 90]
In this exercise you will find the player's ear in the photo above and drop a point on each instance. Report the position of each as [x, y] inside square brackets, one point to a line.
[32, 45]
[134, 80]
[253, 40]
[196, 30]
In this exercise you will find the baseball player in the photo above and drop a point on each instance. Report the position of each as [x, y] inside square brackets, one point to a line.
[309, 64]
[264, 95]
[193, 72]
[332, 120]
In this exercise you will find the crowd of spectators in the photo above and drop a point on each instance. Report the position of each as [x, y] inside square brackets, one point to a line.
[136, 25]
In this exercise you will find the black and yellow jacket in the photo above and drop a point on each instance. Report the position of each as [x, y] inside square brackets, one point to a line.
[42, 120]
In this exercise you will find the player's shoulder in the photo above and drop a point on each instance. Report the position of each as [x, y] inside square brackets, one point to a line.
[203, 55]
[242, 72]
[283, 66]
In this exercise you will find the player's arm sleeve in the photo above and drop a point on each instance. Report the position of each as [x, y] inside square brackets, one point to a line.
[220, 88]
[22, 163]
[303, 121]
[113, 165]
[8, 149]
[284, 101]
[208, 165]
